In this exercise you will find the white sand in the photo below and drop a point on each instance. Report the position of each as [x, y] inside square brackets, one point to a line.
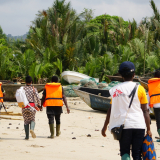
[79, 123]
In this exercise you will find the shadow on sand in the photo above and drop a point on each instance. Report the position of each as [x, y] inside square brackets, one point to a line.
[91, 111]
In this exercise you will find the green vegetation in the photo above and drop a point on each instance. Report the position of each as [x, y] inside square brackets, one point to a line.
[60, 39]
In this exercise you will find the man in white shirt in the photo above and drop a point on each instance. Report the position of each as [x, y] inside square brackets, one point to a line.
[137, 117]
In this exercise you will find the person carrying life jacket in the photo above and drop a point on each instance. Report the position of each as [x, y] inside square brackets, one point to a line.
[29, 111]
[53, 98]
[135, 119]
[154, 97]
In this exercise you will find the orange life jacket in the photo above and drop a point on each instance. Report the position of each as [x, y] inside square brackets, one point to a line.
[53, 95]
[1, 93]
[154, 91]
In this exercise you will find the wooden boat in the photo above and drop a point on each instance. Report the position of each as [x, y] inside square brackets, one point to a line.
[144, 84]
[6, 82]
[95, 98]
[10, 90]
[119, 78]
[75, 77]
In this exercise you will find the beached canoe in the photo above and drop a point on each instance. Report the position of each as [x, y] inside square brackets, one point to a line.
[10, 90]
[75, 77]
[144, 84]
[119, 78]
[95, 98]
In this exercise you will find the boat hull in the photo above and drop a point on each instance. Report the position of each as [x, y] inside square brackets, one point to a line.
[96, 102]
[144, 84]
[10, 90]
[75, 77]
[93, 99]
[119, 78]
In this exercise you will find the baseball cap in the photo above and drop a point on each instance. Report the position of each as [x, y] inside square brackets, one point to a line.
[126, 67]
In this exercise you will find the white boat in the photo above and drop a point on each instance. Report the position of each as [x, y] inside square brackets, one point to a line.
[75, 77]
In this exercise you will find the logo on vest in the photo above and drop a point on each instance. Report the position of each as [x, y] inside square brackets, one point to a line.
[117, 93]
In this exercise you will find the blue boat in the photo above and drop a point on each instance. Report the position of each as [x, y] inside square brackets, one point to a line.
[97, 99]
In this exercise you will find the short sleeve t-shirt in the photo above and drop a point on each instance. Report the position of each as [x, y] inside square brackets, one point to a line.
[120, 113]
[141, 95]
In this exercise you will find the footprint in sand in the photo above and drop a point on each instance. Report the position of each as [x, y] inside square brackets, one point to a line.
[4, 133]
[36, 146]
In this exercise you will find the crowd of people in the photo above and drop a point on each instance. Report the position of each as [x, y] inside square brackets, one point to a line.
[127, 109]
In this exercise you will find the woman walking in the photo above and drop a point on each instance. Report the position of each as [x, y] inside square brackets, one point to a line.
[154, 98]
[53, 98]
[136, 118]
[30, 111]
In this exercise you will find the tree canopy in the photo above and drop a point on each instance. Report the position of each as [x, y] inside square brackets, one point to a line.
[60, 39]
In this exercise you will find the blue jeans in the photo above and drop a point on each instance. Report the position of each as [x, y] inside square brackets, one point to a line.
[132, 137]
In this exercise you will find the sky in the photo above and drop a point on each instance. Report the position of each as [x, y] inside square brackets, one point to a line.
[16, 16]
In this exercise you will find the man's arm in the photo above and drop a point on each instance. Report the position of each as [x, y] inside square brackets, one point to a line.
[147, 118]
[106, 122]
[43, 100]
[65, 101]
[3, 91]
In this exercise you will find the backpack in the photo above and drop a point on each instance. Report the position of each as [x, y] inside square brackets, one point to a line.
[21, 98]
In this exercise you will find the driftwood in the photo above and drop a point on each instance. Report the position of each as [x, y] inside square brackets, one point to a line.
[11, 118]
[7, 112]
[11, 114]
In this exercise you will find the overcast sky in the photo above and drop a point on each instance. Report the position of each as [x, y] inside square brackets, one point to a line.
[16, 15]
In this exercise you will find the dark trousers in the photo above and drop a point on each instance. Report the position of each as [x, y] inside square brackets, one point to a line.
[132, 137]
[51, 118]
[157, 116]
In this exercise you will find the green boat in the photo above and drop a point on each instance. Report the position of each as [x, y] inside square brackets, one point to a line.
[97, 99]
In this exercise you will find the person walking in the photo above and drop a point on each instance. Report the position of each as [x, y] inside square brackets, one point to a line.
[53, 98]
[136, 117]
[154, 97]
[2, 94]
[29, 111]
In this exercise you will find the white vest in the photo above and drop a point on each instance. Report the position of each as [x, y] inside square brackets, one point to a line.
[120, 106]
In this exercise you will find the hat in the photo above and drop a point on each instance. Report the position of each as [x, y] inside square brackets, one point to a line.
[126, 67]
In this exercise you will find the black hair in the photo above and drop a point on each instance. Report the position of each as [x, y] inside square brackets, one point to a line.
[157, 73]
[28, 79]
[126, 73]
[54, 79]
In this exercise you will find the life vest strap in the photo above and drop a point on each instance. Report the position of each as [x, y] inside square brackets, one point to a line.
[54, 98]
[1, 97]
[155, 95]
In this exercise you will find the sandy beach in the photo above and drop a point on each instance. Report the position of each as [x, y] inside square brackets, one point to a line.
[79, 123]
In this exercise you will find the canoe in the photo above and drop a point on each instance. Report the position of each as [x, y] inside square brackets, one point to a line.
[95, 98]
[144, 84]
[75, 77]
[119, 78]
[10, 90]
